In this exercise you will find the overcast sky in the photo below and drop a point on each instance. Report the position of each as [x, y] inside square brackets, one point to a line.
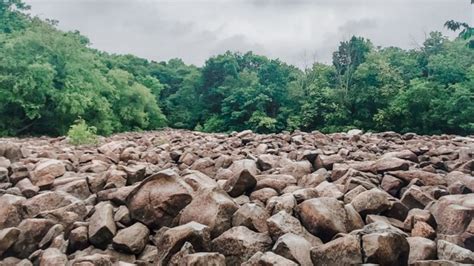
[296, 31]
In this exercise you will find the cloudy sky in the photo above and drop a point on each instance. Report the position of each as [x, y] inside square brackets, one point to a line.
[296, 31]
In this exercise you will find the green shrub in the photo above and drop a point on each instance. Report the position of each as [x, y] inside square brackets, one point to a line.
[80, 133]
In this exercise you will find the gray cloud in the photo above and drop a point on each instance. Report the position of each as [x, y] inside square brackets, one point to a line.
[357, 26]
[296, 31]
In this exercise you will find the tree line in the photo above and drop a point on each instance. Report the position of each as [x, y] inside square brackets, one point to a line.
[50, 78]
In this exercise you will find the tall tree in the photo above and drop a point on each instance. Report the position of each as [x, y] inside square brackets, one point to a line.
[466, 33]
[346, 59]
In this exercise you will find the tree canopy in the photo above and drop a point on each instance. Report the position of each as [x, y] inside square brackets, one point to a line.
[50, 78]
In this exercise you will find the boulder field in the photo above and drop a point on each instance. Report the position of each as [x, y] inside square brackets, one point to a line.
[176, 197]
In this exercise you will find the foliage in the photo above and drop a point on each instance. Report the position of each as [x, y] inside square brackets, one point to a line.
[11, 19]
[466, 33]
[82, 134]
[246, 91]
[48, 78]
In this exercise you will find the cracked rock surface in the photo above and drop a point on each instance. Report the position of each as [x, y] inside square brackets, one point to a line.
[176, 197]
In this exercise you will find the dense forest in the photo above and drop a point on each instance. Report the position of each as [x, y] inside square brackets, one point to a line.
[50, 78]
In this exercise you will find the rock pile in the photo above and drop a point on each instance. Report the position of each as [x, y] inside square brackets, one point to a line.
[177, 197]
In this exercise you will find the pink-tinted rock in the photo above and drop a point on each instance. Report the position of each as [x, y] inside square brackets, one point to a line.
[242, 179]
[323, 217]
[324, 161]
[252, 216]
[293, 247]
[345, 250]
[170, 240]
[32, 231]
[276, 182]
[158, 199]
[268, 258]
[239, 243]
[428, 179]
[263, 195]
[8, 237]
[11, 212]
[132, 239]
[217, 213]
[421, 249]
[283, 223]
[390, 164]
[414, 197]
[371, 202]
[102, 226]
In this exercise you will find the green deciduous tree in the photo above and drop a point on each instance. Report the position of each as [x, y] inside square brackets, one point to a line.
[50, 78]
